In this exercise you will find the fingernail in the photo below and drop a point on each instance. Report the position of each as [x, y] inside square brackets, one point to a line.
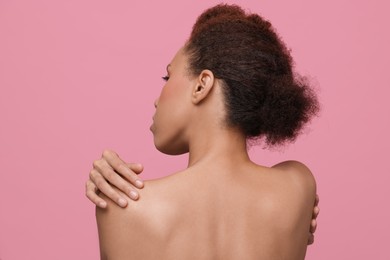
[133, 195]
[139, 183]
[102, 204]
[122, 202]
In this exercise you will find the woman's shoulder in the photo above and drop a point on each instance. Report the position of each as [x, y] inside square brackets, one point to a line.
[296, 186]
[165, 187]
[159, 195]
[128, 231]
[141, 219]
[285, 196]
[286, 185]
[154, 193]
[295, 173]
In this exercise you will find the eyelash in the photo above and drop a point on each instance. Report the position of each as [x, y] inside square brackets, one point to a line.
[165, 78]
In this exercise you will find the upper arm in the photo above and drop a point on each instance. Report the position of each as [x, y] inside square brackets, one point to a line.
[104, 220]
[299, 197]
[300, 185]
[115, 228]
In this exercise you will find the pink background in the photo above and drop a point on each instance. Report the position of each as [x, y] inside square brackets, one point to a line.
[80, 76]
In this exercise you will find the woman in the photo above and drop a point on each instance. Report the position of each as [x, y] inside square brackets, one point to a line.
[231, 82]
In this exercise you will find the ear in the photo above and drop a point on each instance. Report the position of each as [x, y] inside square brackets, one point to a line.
[204, 83]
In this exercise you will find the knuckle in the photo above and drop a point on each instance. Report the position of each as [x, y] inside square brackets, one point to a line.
[132, 178]
[107, 153]
[90, 186]
[100, 183]
[121, 167]
[92, 174]
[91, 195]
[96, 163]
[123, 170]
[88, 193]
[110, 175]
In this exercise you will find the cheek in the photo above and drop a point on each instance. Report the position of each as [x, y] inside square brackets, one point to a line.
[171, 112]
[173, 96]
[165, 107]
[165, 102]
[170, 91]
[165, 95]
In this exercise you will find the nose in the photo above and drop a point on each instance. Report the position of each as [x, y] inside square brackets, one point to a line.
[155, 103]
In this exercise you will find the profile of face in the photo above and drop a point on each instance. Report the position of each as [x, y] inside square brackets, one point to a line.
[173, 108]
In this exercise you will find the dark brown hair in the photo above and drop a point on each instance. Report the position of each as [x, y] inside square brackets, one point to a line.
[264, 98]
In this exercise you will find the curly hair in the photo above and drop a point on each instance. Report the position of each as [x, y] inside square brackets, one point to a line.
[263, 96]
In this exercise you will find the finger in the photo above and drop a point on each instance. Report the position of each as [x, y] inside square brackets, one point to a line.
[316, 211]
[109, 175]
[119, 166]
[313, 226]
[90, 192]
[135, 167]
[311, 239]
[106, 189]
[317, 200]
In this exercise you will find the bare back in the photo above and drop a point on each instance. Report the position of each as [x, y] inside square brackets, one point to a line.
[248, 212]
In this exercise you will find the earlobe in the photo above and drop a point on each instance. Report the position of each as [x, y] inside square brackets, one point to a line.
[204, 84]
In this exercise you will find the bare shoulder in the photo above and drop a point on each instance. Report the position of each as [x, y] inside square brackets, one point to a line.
[294, 167]
[293, 190]
[128, 231]
[297, 174]
[154, 198]
[291, 208]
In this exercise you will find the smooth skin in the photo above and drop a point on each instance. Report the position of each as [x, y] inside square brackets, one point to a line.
[123, 176]
[239, 210]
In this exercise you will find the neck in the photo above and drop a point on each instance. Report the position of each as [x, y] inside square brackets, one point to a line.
[218, 146]
[211, 142]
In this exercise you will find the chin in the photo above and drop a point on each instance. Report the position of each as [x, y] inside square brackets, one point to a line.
[171, 149]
